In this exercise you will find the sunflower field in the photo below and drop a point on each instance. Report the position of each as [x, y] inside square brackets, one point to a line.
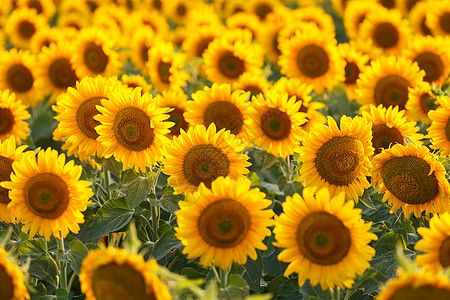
[224, 149]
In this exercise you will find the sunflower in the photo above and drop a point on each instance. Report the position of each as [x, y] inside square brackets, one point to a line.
[339, 6]
[268, 34]
[253, 83]
[18, 74]
[420, 102]
[274, 123]
[141, 41]
[421, 284]
[119, 16]
[42, 7]
[435, 243]
[355, 62]
[73, 22]
[195, 44]
[44, 37]
[219, 106]
[313, 57]
[13, 281]
[55, 70]
[47, 194]
[387, 31]
[21, 25]
[246, 21]
[418, 18]
[8, 154]
[262, 8]
[201, 155]
[412, 179]
[325, 239]
[113, 273]
[75, 112]
[338, 159]
[177, 36]
[231, 7]
[225, 61]
[317, 16]
[430, 54]
[94, 54]
[390, 126]
[144, 18]
[176, 100]
[179, 10]
[438, 18]
[132, 128]
[12, 118]
[227, 223]
[202, 14]
[439, 130]
[387, 80]
[165, 67]
[406, 6]
[134, 81]
[355, 13]
[302, 92]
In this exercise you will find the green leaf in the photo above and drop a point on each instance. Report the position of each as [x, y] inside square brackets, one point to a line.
[289, 290]
[314, 292]
[237, 288]
[78, 251]
[254, 179]
[136, 188]
[366, 200]
[43, 268]
[389, 242]
[191, 273]
[282, 182]
[170, 203]
[62, 294]
[166, 244]
[111, 165]
[236, 280]
[33, 248]
[253, 273]
[292, 187]
[269, 161]
[112, 216]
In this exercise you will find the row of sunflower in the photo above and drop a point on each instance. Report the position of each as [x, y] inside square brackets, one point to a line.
[284, 148]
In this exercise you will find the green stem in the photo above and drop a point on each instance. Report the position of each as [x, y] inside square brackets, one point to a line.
[62, 265]
[288, 167]
[216, 275]
[108, 192]
[224, 277]
[69, 287]
[349, 294]
[336, 293]
[155, 221]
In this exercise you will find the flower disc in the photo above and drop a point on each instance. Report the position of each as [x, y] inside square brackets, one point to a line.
[19, 78]
[392, 90]
[132, 129]
[313, 61]
[95, 58]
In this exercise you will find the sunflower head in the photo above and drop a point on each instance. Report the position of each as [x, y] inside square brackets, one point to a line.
[439, 130]
[201, 155]
[412, 179]
[13, 281]
[12, 118]
[47, 194]
[226, 223]
[325, 239]
[112, 272]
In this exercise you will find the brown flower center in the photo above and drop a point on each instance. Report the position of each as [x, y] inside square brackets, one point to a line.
[144, 52]
[27, 29]
[276, 124]
[224, 223]
[46, 195]
[95, 58]
[444, 22]
[313, 61]
[408, 179]
[427, 103]
[164, 71]
[6, 121]
[425, 30]
[351, 73]
[447, 130]
[119, 281]
[85, 116]
[444, 253]
[224, 114]
[410, 4]
[231, 66]
[36, 5]
[19, 78]
[262, 10]
[410, 292]
[339, 160]
[432, 64]
[132, 129]
[392, 90]
[157, 4]
[61, 73]
[385, 35]
[323, 239]
[204, 163]
[388, 3]
[6, 284]
[181, 10]
[203, 45]
[384, 137]
[5, 175]
[177, 117]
